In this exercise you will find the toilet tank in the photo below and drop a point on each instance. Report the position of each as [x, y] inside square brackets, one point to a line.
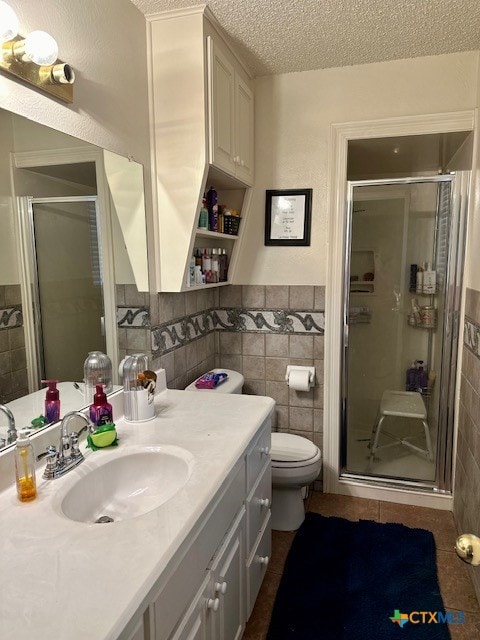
[233, 384]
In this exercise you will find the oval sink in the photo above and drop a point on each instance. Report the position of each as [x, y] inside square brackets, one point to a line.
[129, 485]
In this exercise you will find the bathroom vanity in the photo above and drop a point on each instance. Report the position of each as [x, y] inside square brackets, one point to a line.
[190, 567]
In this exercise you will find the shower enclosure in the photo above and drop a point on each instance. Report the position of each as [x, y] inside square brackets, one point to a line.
[401, 329]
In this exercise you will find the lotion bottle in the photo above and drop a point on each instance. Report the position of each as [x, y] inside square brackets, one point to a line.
[25, 468]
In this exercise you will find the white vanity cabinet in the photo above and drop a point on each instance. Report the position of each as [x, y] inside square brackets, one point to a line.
[231, 114]
[209, 590]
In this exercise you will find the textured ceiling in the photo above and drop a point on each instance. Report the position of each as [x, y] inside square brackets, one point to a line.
[279, 36]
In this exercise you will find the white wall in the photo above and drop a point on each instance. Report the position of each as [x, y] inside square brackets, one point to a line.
[105, 44]
[8, 257]
[293, 117]
[472, 259]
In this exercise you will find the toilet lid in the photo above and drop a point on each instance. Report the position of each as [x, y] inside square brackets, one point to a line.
[287, 447]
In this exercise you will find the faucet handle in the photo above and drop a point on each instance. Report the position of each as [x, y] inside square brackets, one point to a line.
[52, 456]
[75, 451]
[50, 450]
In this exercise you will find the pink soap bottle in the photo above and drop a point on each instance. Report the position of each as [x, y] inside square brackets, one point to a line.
[52, 401]
[100, 410]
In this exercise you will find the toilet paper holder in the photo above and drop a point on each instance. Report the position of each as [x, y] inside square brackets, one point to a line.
[311, 373]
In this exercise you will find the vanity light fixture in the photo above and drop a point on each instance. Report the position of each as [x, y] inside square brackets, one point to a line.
[34, 58]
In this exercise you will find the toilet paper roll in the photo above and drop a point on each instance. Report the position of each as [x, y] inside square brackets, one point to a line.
[298, 380]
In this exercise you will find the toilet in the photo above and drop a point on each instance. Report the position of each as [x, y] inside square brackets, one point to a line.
[296, 463]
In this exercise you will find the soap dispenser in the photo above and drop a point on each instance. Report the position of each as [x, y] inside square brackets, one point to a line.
[25, 468]
[101, 410]
[52, 402]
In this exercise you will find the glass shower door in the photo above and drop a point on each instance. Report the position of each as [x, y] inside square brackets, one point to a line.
[395, 309]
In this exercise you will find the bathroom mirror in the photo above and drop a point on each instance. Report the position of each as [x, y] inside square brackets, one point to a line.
[72, 230]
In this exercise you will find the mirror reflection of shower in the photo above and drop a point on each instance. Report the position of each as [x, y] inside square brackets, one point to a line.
[68, 290]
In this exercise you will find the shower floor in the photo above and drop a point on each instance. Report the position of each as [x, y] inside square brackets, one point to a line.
[396, 461]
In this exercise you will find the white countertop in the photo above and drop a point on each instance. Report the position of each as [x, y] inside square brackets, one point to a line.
[70, 580]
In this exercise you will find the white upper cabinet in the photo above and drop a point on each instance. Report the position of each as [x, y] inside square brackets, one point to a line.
[231, 115]
[201, 110]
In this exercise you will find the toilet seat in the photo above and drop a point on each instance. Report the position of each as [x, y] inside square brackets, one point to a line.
[291, 451]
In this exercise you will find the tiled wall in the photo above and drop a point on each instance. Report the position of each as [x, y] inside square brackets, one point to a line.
[467, 475]
[262, 351]
[257, 330]
[13, 367]
[183, 341]
[133, 319]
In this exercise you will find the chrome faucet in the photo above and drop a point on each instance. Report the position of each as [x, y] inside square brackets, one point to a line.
[68, 455]
[12, 432]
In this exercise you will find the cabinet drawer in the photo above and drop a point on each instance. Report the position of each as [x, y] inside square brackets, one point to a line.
[258, 455]
[257, 566]
[258, 507]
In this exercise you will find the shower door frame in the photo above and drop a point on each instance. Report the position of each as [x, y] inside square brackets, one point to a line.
[452, 285]
[340, 135]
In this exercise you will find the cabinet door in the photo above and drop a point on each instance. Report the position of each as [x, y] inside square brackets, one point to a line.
[228, 572]
[196, 623]
[222, 113]
[244, 135]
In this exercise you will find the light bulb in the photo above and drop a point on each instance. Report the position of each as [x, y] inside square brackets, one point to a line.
[41, 48]
[8, 22]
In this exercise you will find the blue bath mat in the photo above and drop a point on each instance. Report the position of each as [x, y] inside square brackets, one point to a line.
[359, 581]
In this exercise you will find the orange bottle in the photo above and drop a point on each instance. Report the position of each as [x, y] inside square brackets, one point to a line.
[25, 468]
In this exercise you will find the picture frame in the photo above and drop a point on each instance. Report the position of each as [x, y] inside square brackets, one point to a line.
[288, 217]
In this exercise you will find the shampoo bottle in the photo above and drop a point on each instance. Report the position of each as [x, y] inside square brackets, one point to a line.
[419, 287]
[429, 280]
[25, 468]
[52, 402]
[100, 410]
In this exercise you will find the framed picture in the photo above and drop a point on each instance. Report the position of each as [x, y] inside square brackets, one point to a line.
[288, 217]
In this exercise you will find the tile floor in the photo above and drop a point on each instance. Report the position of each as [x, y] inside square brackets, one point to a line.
[455, 584]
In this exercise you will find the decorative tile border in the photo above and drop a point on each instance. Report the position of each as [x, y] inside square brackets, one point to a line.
[11, 317]
[171, 335]
[133, 317]
[471, 336]
[270, 320]
[174, 334]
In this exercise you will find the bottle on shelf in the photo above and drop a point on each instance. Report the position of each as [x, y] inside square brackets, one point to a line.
[419, 285]
[203, 217]
[207, 265]
[223, 265]
[212, 207]
[215, 267]
[429, 280]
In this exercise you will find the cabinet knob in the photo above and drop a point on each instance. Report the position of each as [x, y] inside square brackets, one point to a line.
[264, 502]
[213, 604]
[265, 450]
[221, 587]
[264, 560]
